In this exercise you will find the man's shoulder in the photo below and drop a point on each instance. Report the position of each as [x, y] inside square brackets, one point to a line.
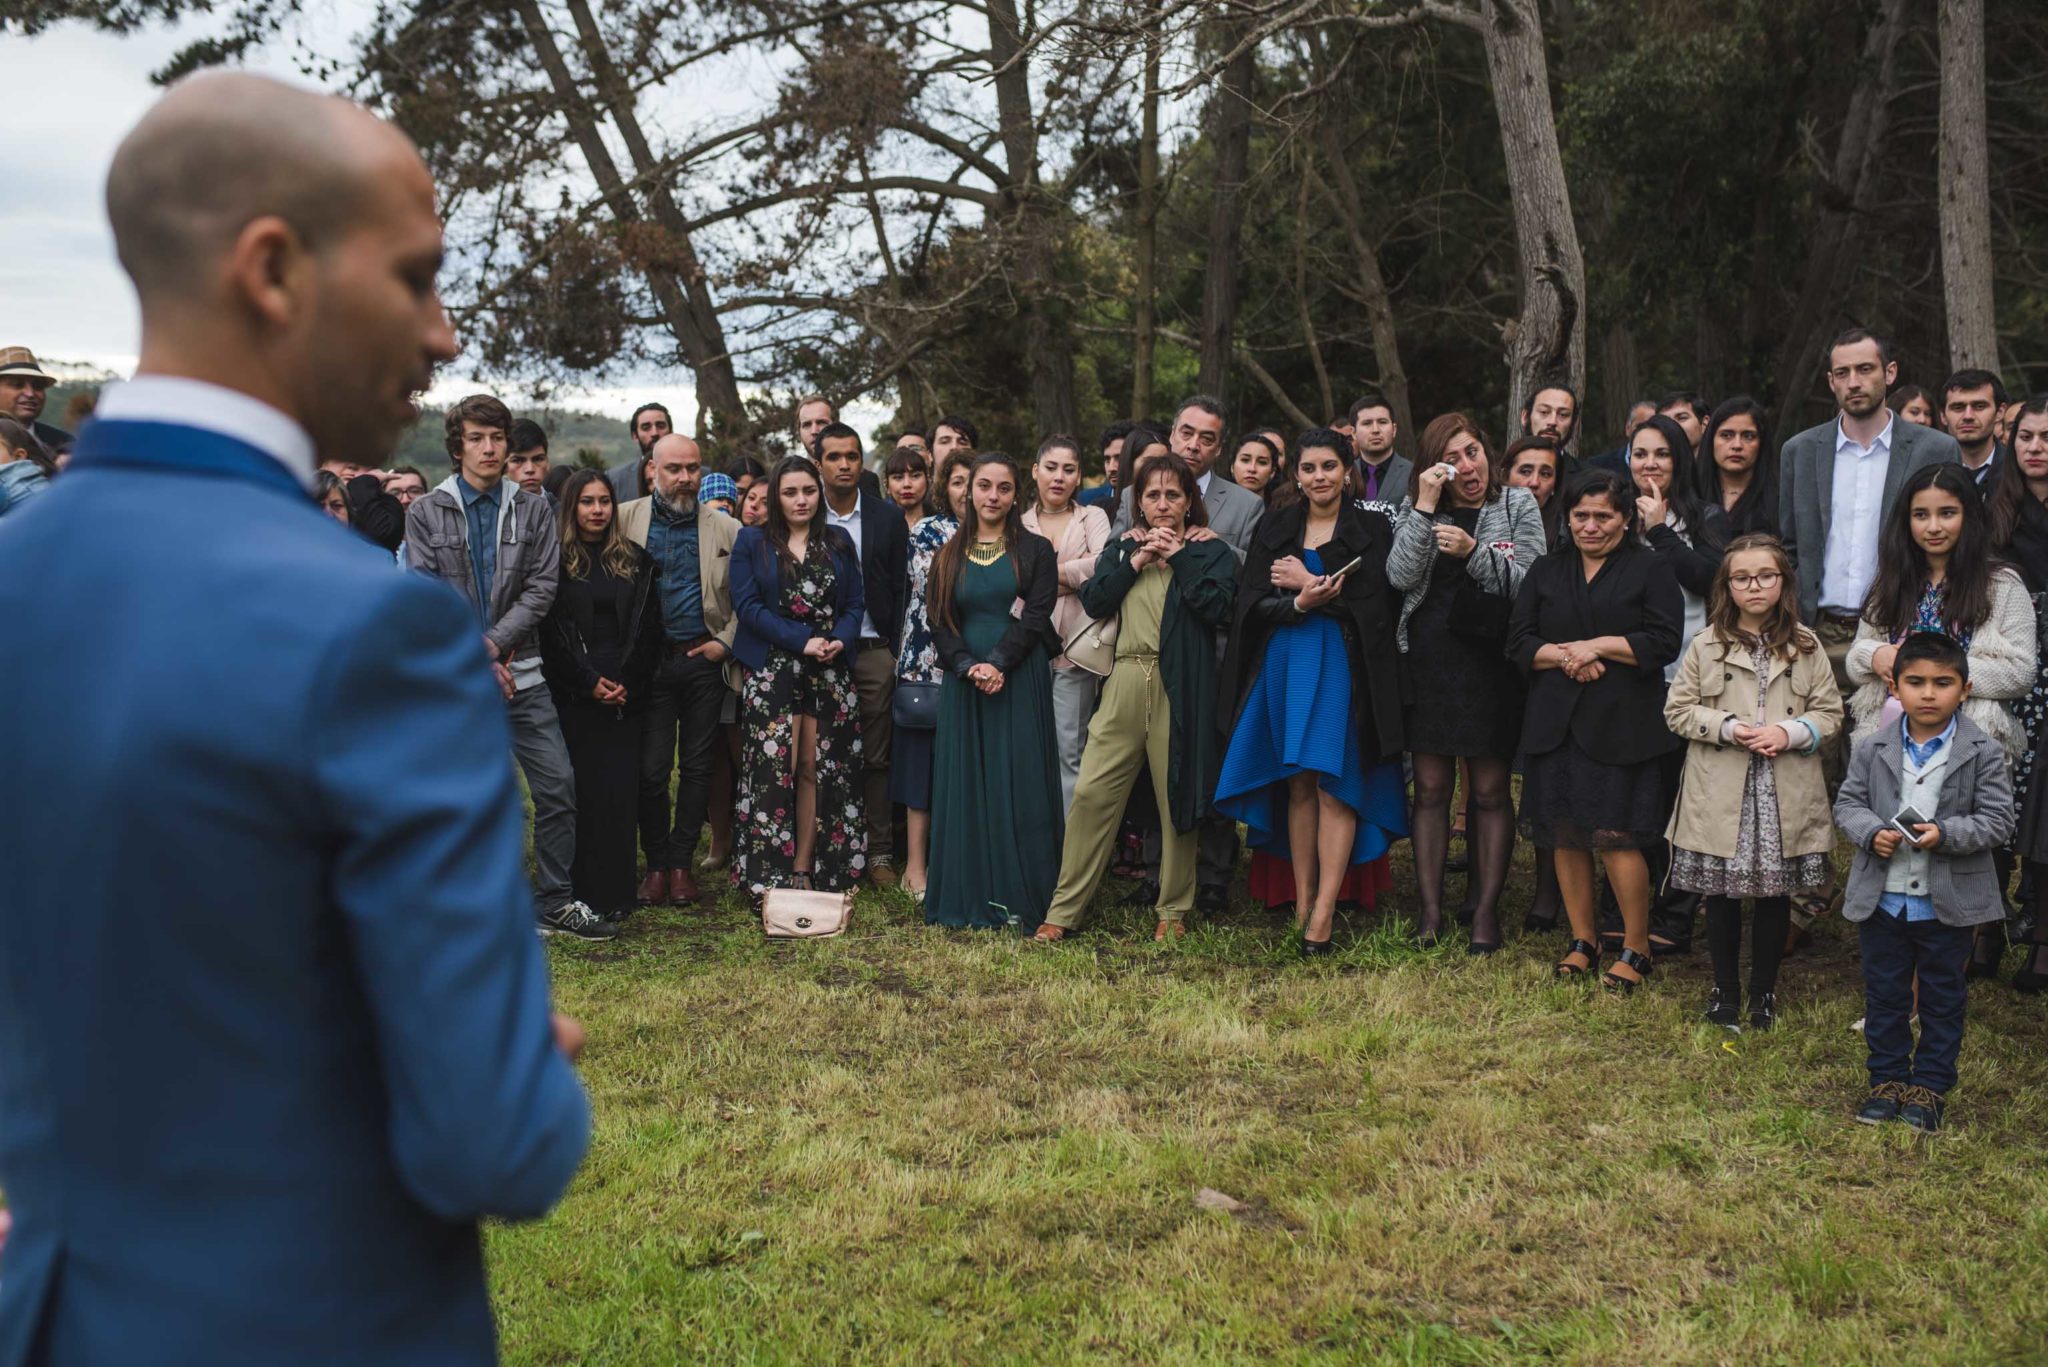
[1814, 438]
[1929, 445]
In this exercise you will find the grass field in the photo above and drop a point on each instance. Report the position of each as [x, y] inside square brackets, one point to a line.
[920, 1146]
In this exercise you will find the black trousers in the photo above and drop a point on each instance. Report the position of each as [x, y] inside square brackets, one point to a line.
[680, 733]
[604, 750]
[1896, 952]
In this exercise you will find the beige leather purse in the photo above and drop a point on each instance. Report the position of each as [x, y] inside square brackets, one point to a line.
[792, 914]
[1092, 648]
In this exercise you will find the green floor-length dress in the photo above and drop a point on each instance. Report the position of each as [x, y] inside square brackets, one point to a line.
[996, 820]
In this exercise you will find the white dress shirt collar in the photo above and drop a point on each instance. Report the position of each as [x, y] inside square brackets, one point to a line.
[1883, 441]
[1203, 483]
[212, 408]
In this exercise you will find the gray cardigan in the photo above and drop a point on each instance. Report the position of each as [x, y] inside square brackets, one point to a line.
[1806, 492]
[1975, 815]
[1509, 536]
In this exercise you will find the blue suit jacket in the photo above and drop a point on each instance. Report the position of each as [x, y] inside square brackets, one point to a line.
[273, 1021]
[757, 600]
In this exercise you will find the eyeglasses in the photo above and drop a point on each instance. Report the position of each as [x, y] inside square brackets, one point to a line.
[1767, 580]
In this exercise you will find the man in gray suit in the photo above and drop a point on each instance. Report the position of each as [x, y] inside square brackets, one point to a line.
[1197, 438]
[1837, 483]
[1382, 472]
[633, 479]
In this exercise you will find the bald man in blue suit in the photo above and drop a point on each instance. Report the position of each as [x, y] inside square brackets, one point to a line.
[274, 1026]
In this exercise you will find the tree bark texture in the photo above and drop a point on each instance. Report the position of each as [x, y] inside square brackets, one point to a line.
[1964, 177]
[1146, 249]
[1231, 125]
[1547, 342]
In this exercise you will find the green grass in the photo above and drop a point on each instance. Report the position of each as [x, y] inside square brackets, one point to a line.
[913, 1145]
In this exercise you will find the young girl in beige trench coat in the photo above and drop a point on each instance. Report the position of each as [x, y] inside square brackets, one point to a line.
[1755, 699]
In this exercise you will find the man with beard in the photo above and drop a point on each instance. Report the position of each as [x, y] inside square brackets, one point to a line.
[256, 1112]
[1970, 404]
[24, 389]
[1553, 412]
[631, 479]
[691, 546]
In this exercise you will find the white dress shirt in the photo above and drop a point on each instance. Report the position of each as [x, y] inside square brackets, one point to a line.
[850, 524]
[1850, 562]
[195, 403]
[1202, 483]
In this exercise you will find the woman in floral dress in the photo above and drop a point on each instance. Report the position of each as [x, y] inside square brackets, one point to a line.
[918, 663]
[796, 588]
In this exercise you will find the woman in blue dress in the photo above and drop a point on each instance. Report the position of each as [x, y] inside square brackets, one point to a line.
[1312, 767]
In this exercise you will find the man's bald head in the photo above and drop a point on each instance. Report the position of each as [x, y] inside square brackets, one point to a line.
[224, 149]
[284, 244]
[678, 468]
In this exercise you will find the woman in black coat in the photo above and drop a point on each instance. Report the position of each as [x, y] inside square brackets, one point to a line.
[1594, 625]
[599, 645]
[1314, 686]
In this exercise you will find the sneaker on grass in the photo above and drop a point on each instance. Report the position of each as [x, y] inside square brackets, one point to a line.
[575, 918]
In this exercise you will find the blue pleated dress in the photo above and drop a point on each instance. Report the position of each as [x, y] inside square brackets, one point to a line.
[1299, 719]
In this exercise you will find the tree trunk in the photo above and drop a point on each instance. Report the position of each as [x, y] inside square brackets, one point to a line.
[1341, 188]
[1845, 201]
[1232, 130]
[680, 287]
[1965, 189]
[1547, 342]
[1047, 340]
[1147, 244]
[1621, 381]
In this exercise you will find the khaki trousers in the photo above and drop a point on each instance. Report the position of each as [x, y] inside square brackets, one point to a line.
[1132, 726]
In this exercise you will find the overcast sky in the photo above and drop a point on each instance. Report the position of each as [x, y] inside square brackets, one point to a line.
[73, 93]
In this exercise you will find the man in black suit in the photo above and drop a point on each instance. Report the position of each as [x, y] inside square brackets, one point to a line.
[633, 479]
[1382, 471]
[882, 541]
[1970, 404]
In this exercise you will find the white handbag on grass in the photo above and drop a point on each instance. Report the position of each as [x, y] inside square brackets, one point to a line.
[793, 914]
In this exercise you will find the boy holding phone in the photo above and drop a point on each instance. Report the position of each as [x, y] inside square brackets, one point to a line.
[1919, 900]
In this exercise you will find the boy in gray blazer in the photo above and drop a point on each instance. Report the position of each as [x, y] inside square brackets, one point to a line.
[1925, 803]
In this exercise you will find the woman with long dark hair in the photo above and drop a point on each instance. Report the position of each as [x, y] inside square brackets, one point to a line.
[1316, 690]
[996, 810]
[599, 645]
[2021, 505]
[1158, 708]
[1461, 548]
[1077, 534]
[1532, 463]
[919, 667]
[1686, 531]
[2017, 505]
[1738, 469]
[796, 589]
[1913, 403]
[1594, 625]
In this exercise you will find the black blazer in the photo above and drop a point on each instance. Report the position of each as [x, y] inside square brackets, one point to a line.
[1695, 564]
[884, 565]
[2028, 550]
[1038, 578]
[565, 631]
[1367, 611]
[1619, 717]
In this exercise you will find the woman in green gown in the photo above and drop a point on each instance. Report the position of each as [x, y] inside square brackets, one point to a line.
[996, 809]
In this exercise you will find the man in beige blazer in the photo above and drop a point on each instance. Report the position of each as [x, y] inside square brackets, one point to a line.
[691, 546]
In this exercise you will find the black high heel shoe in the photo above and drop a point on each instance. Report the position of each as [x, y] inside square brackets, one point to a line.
[1587, 948]
[2033, 979]
[1641, 963]
[1311, 949]
[1532, 924]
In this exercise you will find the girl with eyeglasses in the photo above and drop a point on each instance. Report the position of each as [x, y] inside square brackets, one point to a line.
[1754, 699]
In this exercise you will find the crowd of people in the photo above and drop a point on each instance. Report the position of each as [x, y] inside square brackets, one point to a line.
[949, 670]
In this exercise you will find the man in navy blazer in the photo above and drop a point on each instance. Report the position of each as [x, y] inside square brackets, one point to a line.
[255, 1100]
[882, 540]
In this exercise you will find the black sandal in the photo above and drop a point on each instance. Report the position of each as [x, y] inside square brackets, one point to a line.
[1577, 946]
[1641, 963]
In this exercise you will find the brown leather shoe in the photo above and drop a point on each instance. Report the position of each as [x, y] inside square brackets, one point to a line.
[682, 887]
[884, 875]
[653, 888]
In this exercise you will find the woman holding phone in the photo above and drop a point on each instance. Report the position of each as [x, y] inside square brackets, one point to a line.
[1316, 689]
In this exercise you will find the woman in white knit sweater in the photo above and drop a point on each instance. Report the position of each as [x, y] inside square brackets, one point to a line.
[1935, 572]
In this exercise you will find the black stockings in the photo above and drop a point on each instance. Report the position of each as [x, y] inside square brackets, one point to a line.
[1771, 919]
[1490, 836]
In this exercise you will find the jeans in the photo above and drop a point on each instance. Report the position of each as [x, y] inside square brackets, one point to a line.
[544, 758]
[683, 707]
[1894, 949]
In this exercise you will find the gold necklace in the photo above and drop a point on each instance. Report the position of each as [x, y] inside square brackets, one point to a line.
[985, 552]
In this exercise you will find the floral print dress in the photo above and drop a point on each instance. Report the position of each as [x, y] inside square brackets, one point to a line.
[918, 660]
[792, 685]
